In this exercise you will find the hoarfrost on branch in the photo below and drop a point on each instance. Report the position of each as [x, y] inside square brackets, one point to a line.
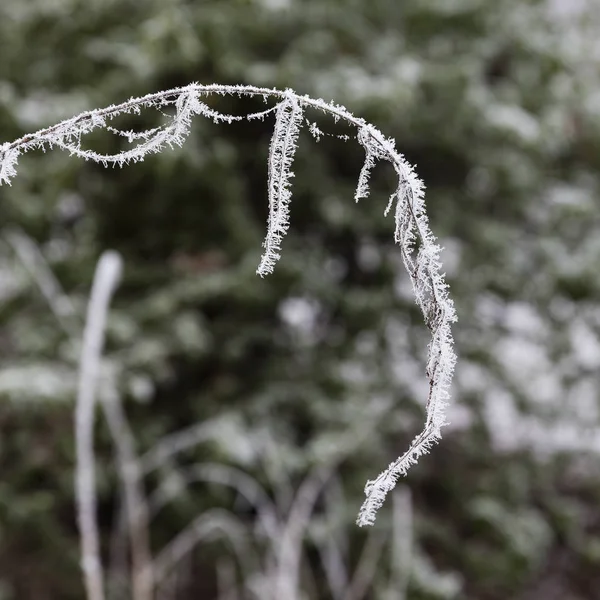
[417, 244]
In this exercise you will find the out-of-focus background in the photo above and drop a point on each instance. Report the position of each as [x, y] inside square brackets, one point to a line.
[301, 386]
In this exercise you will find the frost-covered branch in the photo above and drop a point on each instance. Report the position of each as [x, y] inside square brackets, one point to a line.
[418, 249]
[36, 264]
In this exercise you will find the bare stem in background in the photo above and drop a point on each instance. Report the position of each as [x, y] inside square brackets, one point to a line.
[289, 549]
[106, 278]
[402, 543]
[216, 523]
[367, 566]
[136, 507]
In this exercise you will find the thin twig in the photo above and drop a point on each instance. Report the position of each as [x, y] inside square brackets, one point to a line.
[402, 543]
[367, 566]
[133, 495]
[207, 523]
[289, 549]
[106, 278]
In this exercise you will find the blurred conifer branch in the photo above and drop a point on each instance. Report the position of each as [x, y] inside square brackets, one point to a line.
[35, 263]
[417, 244]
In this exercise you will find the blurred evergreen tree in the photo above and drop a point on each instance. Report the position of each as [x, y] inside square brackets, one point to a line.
[497, 103]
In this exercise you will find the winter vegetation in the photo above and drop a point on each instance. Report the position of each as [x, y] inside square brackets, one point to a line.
[419, 252]
[228, 422]
[417, 244]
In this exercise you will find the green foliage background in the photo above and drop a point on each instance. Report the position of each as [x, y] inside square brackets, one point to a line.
[498, 105]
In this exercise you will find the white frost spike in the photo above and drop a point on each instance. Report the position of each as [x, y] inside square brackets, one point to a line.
[372, 153]
[281, 156]
[8, 160]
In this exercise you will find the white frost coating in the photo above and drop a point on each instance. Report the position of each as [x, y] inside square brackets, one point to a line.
[8, 162]
[411, 230]
[281, 155]
[372, 153]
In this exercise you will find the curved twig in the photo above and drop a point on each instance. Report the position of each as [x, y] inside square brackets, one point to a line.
[106, 278]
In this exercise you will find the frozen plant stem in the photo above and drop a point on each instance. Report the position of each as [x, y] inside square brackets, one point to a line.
[106, 278]
[418, 247]
[136, 507]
